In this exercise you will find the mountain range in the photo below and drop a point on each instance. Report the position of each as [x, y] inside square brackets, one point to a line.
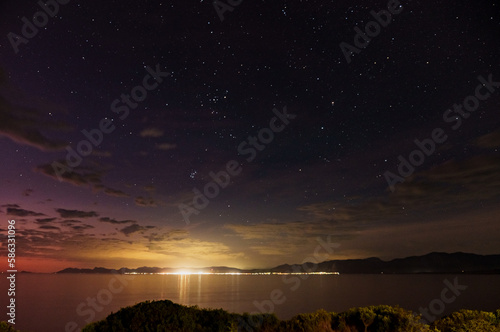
[435, 262]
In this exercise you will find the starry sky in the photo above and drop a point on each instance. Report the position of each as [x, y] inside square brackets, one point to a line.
[304, 135]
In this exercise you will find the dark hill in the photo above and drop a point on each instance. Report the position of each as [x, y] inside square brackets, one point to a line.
[435, 262]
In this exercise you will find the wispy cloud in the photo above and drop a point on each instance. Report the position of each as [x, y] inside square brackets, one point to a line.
[173, 235]
[78, 176]
[290, 238]
[11, 205]
[449, 184]
[25, 126]
[79, 228]
[45, 220]
[98, 153]
[81, 177]
[145, 202]
[166, 146]
[22, 213]
[115, 193]
[49, 227]
[151, 132]
[150, 188]
[114, 221]
[70, 222]
[132, 229]
[135, 245]
[27, 192]
[491, 140]
[76, 213]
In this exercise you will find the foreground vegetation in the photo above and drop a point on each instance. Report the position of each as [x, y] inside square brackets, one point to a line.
[168, 316]
[4, 327]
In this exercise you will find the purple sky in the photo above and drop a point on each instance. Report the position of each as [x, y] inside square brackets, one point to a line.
[183, 94]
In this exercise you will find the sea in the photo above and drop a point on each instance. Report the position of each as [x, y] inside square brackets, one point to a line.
[67, 302]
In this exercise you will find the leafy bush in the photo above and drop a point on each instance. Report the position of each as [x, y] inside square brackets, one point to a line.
[317, 321]
[381, 318]
[165, 315]
[5, 327]
[469, 321]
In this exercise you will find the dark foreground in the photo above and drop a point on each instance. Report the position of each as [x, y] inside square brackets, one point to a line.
[168, 316]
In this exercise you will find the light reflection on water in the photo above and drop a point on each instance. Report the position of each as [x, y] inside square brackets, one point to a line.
[46, 302]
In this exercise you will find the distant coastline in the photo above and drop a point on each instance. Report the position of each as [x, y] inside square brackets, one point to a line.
[432, 263]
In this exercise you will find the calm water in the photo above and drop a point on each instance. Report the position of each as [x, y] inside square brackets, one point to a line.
[49, 302]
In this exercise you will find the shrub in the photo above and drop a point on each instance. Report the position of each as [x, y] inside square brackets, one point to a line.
[5, 327]
[165, 315]
[469, 320]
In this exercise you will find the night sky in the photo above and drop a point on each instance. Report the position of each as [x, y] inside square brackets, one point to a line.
[304, 136]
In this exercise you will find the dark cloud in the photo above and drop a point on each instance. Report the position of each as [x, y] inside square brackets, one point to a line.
[145, 202]
[464, 184]
[49, 227]
[11, 206]
[22, 213]
[491, 140]
[150, 188]
[114, 221]
[166, 146]
[294, 237]
[115, 193]
[27, 192]
[70, 222]
[77, 176]
[82, 227]
[24, 125]
[76, 213]
[174, 235]
[98, 153]
[132, 229]
[151, 132]
[45, 220]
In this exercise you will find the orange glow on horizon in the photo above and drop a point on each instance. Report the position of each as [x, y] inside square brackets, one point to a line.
[38, 265]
